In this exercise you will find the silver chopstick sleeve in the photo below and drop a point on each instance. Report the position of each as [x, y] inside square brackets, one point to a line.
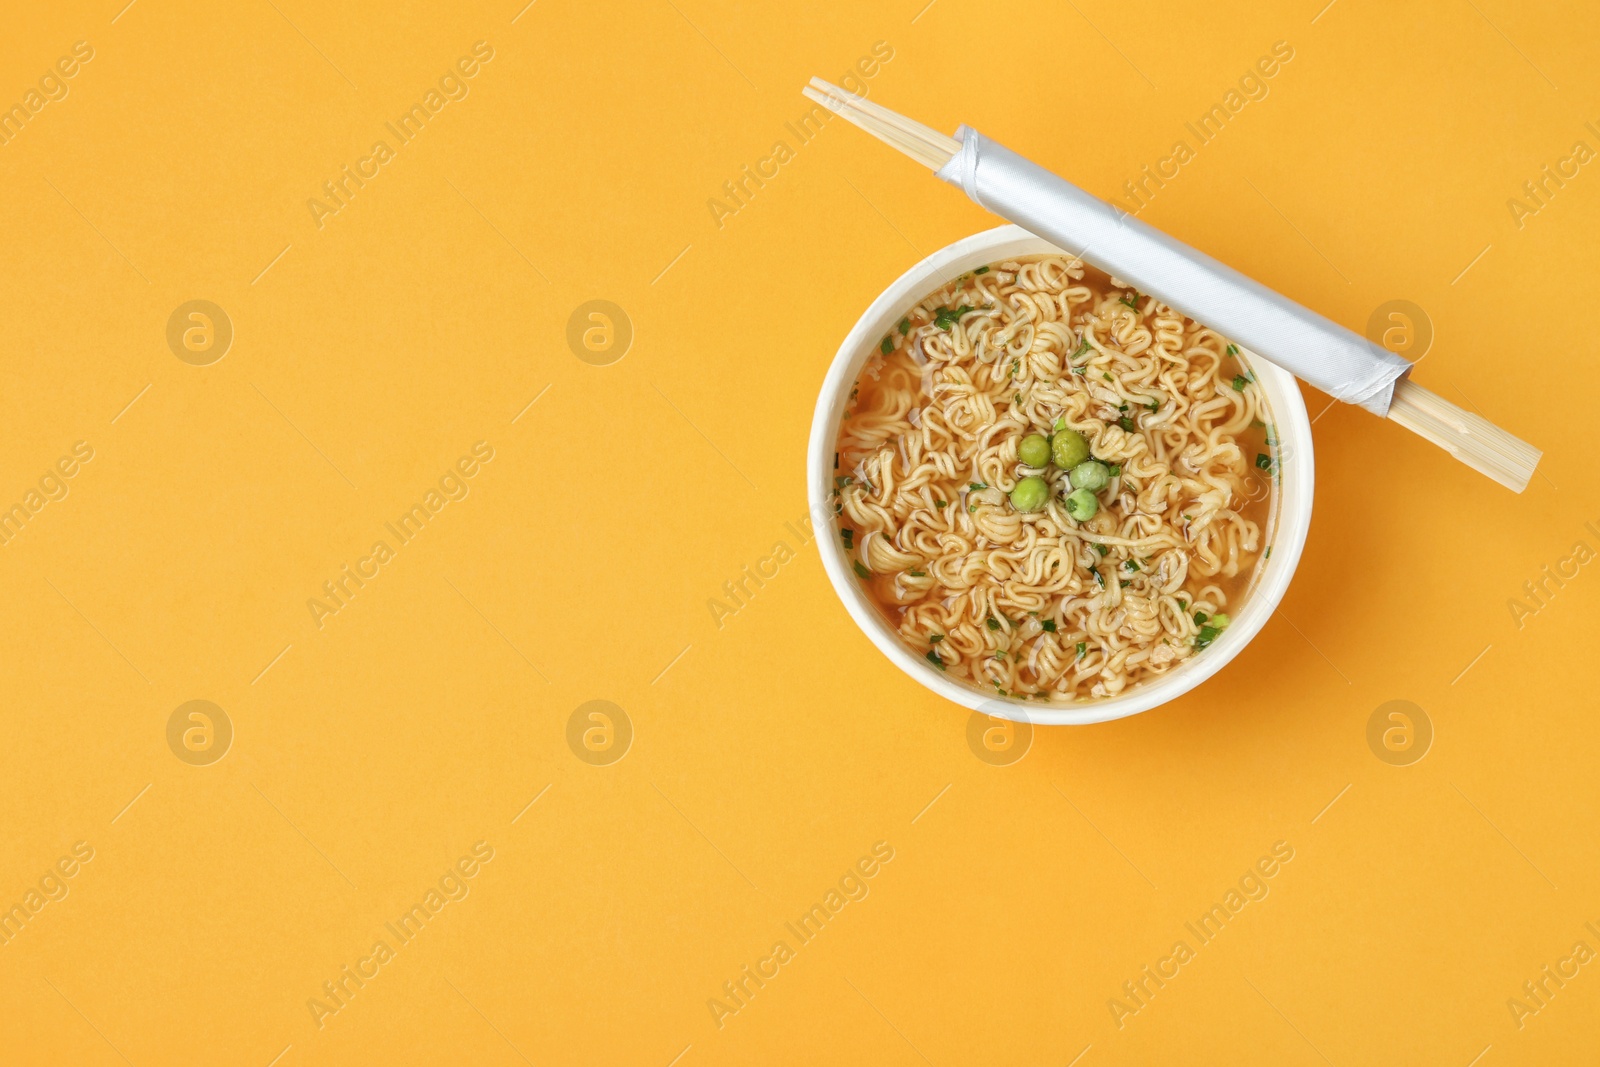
[1341, 363]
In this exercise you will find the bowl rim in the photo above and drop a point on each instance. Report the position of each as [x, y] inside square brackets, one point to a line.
[1293, 520]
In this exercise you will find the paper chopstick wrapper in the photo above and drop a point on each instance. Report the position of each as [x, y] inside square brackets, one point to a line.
[1341, 363]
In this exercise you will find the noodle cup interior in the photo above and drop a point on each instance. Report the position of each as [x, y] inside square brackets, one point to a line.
[1285, 532]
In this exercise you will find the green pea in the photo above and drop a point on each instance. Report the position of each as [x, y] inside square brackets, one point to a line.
[1091, 474]
[1034, 450]
[1030, 493]
[1068, 449]
[1082, 505]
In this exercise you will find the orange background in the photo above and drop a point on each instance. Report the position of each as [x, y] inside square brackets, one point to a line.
[374, 751]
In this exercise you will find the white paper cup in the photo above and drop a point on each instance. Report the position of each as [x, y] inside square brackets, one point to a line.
[1286, 530]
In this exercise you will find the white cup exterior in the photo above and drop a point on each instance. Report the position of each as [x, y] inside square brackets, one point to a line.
[1287, 534]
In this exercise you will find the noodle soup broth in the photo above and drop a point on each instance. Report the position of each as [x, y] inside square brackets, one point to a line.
[1053, 487]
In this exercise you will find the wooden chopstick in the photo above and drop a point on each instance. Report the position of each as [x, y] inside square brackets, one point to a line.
[1470, 438]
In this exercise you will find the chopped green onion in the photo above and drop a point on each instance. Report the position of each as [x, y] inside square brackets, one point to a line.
[1233, 350]
[905, 325]
[1134, 303]
[1126, 423]
[861, 572]
[849, 536]
[1131, 564]
[1183, 605]
[1082, 348]
[977, 485]
[981, 270]
[1207, 635]
[1116, 469]
[941, 504]
[1239, 382]
[1049, 626]
[1199, 617]
[933, 658]
[1061, 423]
[1102, 549]
[887, 346]
[934, 639]
[1263, 461]
[917, 574]
[945, 318]
[1083, 649]
[993, 623]
[843, 480]
[1154, 406]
